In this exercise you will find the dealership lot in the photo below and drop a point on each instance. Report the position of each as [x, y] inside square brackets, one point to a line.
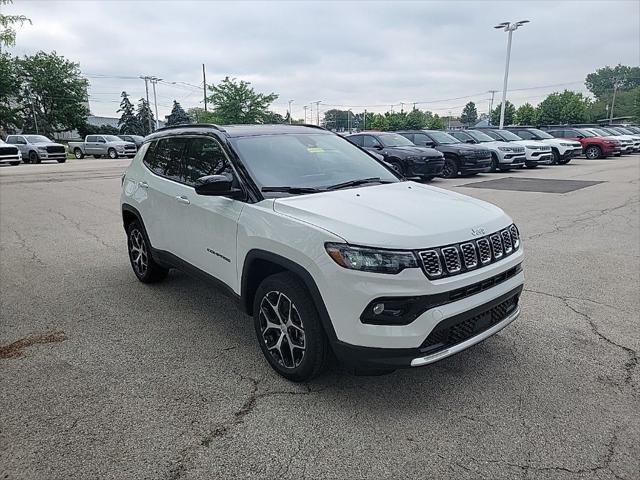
[107, 377]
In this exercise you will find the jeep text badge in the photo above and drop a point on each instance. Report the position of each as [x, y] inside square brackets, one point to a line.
[478, 231]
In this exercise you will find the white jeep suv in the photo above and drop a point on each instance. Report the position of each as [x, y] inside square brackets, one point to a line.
[329, 250]
[562, 150]
[504, 156]
[536, 152]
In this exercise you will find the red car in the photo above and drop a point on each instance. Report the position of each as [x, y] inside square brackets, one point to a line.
[592, 145]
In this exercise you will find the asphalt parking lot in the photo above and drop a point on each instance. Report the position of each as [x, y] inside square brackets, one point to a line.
[104, 377]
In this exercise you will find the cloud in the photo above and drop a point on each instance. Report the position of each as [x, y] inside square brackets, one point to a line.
[343, 53]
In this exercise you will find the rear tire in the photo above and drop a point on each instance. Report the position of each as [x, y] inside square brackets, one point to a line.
[143, 264]
[288, 328]
[78, 153]
[593, 152]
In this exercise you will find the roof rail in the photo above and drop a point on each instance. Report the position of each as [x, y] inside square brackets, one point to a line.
[191, 125]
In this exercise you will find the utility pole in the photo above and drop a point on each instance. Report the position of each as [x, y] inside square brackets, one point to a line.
[204, 87]
[492, 92]
[613, 101]
[401, 107]
[146, 88]
[33, 111]
[509, 28]
[290, 102]
[317, 112]
[153, 81]
[305, 113]
[349, 120]
[364, 126]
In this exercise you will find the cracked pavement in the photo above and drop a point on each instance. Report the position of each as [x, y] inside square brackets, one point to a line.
[167, 381]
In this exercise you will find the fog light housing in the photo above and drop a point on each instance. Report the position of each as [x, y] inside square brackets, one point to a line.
[378, 308]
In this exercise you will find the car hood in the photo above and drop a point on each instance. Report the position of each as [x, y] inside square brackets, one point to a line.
[467, 147]
[123, 144]
[416, 150]
[405, 215]
[48, 144]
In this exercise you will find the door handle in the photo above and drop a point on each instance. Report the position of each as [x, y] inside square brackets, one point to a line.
[143, 184]
[183, 200]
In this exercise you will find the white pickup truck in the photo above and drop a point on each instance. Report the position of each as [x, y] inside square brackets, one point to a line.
[103, 145]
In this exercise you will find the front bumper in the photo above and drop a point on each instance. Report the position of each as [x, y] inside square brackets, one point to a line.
[571, 153]
[51, 156]
[429, 168]
[475, 165]
[513, 159]
[10, 158]
[448, 337]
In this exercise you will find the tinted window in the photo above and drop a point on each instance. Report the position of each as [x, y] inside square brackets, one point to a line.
[421, 139]
[204, 156]
[167, 158]
[409, 136]
[15, 140]
[556, 133]
[493, 135]
[92, 138]
[370, 141]
[525, 135]
[357, 139]
[463, 137]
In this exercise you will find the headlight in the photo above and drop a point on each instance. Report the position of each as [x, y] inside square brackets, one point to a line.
[43, 149]
[505, 149]
[370, 259]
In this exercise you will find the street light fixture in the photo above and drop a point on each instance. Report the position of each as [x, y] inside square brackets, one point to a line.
[510, 28]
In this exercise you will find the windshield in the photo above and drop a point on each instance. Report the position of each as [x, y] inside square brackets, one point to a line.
[394, 140]
[479, 136]
[585, 133]
[306, 160]
[600, 132]
[37, 139]
[444, 138]
[112, 138]
[625, 131]
[540, 133]
[507, 136]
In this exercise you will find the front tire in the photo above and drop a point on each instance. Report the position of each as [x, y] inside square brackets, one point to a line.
[495, 165]
[112, 153]
[450, 169]
[556, 157]
[593, 152]
[143, 264]
[396, 166]
[288, 328]
[78, 153]
[33, 157]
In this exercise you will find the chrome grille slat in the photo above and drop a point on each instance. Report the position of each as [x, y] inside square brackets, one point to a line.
[451, 259]
[496, 245]
[431, 262]
[469, 255]
[506, 241]
[485, 250]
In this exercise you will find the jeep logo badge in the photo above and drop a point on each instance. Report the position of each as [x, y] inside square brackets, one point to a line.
[478, 231]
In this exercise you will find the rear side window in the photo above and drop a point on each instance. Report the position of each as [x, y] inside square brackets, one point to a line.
[92, 138]
[421, 139]
[166, 158]
[556, 133]
[409, 136]
[525, 135]
[204, 156]
[357, 139]
[463, 137]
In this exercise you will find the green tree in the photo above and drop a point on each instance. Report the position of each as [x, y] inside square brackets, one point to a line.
[178, 116]
[128, 122]
[435, 122]
[416, 119]
[8, 24]
[10, 112]
[88, 129]
[53, 90]
[379, 122]
[526, 115]
[602, 81]
[145, 118]
[509, 114]
[198, 115]
[469, 115]
[235, 101]
[275, 118]
[565, 107]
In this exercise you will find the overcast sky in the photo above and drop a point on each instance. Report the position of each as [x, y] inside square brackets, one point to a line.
[343, 53]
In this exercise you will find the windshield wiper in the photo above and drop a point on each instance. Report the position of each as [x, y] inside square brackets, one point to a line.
[291, 189]
[355, 183]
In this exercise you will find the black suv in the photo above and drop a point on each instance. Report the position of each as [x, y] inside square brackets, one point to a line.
[458, 157]
[401, 154]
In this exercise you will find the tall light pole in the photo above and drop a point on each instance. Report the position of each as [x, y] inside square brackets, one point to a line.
[510, 28]
[616, 85]
[290, 102]
[305, 113]
[153, 81]
[317, 111]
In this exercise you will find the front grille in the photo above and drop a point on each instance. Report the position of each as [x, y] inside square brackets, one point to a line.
[8, 151]
[447, 334]
[459, 258]
[55, 149]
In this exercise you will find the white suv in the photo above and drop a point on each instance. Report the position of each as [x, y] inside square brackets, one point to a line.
[504, 156]
[536, 152]
[562, 150]
[329, 250]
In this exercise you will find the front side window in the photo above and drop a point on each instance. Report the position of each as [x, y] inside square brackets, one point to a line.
[508, 136]
[540, 134]
[480, 136]
[421, 139]
[357, 139]
[204, 156]
[370, 141]
[395, 140]
[313, 160]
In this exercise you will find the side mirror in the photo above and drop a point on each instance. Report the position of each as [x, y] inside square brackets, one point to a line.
[429, 144]
[580, 136]
[217, 185]
[378, 147]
